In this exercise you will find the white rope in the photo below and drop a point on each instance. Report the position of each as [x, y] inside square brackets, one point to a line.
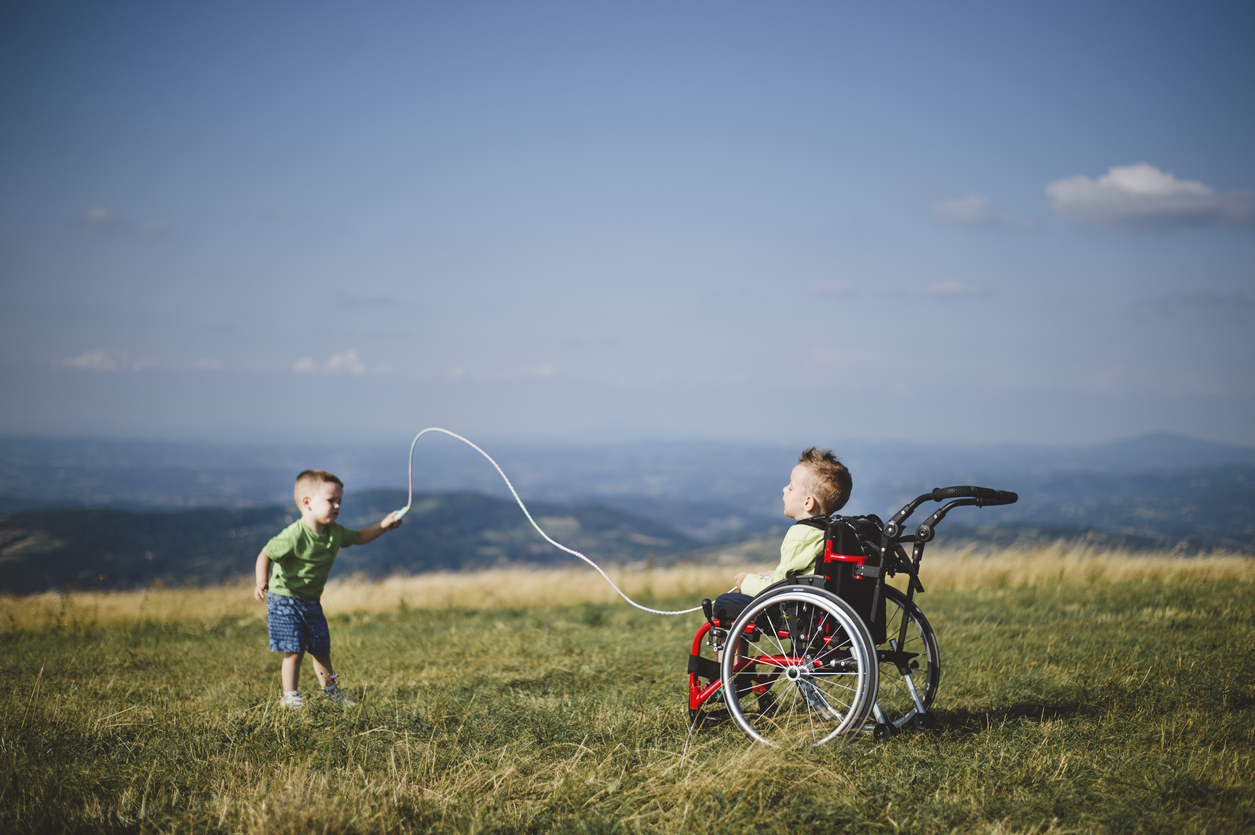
[558, 545]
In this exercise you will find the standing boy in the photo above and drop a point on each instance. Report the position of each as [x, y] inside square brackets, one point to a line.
[302, 556]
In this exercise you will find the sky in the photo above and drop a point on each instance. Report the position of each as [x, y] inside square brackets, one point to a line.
[585, 222]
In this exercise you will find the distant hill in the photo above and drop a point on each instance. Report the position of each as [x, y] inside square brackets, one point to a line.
[1164, 489]
[118, 549]
[1161, 451]
[1213, 505]
[746, 478]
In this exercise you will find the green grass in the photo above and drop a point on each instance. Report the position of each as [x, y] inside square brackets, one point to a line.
[1124, 707]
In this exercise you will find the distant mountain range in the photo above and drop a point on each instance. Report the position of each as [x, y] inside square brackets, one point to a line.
[166, 476]
[118, 499]
[84, 548]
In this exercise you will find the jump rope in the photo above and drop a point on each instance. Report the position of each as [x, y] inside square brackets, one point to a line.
[410, 501]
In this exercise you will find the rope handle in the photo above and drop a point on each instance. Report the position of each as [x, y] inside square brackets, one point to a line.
[410, 501]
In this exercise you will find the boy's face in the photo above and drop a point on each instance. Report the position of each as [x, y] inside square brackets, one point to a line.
[322, 505]
[798, 501]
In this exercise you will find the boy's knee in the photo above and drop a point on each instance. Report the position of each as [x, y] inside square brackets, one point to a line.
[730, 604]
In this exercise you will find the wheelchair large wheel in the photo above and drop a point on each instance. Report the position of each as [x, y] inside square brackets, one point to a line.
[910, 669]
[798, 668]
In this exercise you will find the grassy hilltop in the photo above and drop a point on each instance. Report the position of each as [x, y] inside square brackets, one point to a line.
[1081, 692]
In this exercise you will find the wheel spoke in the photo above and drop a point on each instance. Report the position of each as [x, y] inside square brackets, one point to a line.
[773, 632]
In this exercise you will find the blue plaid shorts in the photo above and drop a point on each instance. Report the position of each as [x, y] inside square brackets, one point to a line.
[297, 625]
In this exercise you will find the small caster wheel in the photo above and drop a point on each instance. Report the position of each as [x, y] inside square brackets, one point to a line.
[925, 721]
[883, 732]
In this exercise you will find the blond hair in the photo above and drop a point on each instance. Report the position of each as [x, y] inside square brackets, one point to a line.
[827, 479]
[307, 482]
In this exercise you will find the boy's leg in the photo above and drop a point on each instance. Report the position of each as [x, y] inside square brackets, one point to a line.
[320, 651]
[297, 626]
[291, 670]
[318, 637]
[727, 606]
[322, 666]
[284, 625]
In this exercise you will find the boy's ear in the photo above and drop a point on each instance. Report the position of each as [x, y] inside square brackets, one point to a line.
[809, 504]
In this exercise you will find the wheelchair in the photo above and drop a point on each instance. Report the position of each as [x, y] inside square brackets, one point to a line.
[823, 657]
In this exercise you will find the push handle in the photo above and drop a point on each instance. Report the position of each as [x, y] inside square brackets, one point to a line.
[984, 495]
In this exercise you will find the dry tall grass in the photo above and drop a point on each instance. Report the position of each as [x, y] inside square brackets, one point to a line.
[1074, 564]
[1047, 565]
[1083, 692]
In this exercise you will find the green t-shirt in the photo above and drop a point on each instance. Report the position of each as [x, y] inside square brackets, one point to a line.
[303, 559]
[800, 551]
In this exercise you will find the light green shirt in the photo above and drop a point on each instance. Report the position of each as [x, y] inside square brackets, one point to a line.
[303, 559]
[799, 552]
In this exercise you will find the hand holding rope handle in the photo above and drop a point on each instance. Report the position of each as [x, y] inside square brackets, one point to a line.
[410, 501]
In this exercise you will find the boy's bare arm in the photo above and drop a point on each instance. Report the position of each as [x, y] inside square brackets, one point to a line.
[372, 532]
[262, 575]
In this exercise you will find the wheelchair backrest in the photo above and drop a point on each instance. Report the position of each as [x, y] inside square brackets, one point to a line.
[851, 541]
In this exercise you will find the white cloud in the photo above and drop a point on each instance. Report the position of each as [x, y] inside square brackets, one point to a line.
[1141, 195]
[347, 362]
[98, 217]
[977, 212]
[955, 289]
[100, 359]
[97, 359]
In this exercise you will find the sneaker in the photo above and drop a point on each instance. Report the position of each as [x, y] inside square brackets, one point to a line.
[335, 694]
[292, 700]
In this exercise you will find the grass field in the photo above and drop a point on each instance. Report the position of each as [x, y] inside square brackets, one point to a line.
[1081, 692]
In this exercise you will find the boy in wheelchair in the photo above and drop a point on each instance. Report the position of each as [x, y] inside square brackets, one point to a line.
[818, 486]
[822, 648]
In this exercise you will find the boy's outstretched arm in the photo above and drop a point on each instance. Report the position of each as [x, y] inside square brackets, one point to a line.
[373, 532]
[262, 574]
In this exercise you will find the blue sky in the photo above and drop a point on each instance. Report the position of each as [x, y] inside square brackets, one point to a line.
[795, 223]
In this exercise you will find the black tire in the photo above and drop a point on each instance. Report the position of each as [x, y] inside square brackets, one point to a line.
[917, 659]
[810, 677]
